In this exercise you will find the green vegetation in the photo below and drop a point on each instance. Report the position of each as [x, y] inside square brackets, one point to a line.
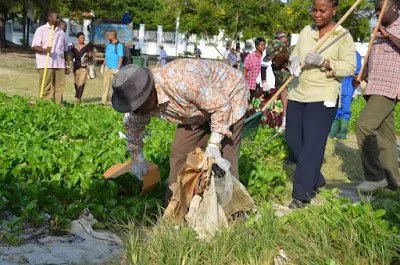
[53, 159]
[337, 233]
[52, 162]
[237, 19]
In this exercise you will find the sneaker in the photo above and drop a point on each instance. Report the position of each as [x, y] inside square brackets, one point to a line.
[298, 204]
[369, 186]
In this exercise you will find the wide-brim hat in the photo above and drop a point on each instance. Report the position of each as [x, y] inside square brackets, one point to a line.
[131, 88]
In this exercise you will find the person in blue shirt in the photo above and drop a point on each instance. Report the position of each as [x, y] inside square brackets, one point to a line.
[114, 55]
[343, 114]
[126, 19]
[163, 56]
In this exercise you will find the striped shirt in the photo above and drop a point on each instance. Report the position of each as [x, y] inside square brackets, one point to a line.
[384, 65]
[59, 46]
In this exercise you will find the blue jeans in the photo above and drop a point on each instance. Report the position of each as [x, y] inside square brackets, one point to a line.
[344, 112]
[307, 129]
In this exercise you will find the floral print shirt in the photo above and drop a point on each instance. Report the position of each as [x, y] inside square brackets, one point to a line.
[193, 92]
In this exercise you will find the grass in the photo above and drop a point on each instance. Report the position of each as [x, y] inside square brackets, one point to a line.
[336, 232]
[20, 77]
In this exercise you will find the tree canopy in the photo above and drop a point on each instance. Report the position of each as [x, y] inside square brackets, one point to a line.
[236, 19]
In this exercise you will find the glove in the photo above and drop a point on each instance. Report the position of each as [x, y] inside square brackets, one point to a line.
[314, 59]
[265, 86]
[140, 167]
[102, 69]
[213, 147]
[294, 66]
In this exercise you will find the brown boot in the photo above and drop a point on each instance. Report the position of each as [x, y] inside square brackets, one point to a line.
[77, 101]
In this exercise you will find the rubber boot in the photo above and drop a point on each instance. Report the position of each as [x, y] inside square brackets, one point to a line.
[334, 129]
[344, 124]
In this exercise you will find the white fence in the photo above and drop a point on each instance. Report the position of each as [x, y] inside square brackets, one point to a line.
[148, 41]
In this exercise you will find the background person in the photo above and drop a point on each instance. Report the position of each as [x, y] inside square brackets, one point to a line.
[207, 99]
[281, 36]
[81, 54]
[114, 56]
[197, 52]
[163, 56]
[252, 66]
[313, 97]
[126, 18]
[343, 114]
[54, 81]
[376, 125]
[232, 58]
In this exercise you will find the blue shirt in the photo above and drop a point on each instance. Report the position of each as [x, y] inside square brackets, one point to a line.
[347, 87]
[113, 53]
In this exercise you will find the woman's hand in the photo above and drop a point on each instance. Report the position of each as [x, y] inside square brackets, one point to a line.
[313, 58]
[294, 66]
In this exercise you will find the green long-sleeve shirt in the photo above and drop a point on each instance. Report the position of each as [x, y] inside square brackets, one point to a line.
[315, 84]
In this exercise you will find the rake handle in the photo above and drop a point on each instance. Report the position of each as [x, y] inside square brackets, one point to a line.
[371, 41]
[318, 45]
[47, 60]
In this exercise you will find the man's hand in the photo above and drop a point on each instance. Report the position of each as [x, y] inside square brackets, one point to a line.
[384, 32]
[214, 145]
[355, 82]
[140, 167]
[265, 86]
[48, 49]
[294, 66]
[314, 58]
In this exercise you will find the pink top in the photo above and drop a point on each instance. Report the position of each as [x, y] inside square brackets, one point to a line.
[59, 46]
[252, 64]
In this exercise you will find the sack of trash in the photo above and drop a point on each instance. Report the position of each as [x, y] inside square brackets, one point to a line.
[206, 196]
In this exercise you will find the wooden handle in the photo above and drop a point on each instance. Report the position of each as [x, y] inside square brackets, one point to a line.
[317, 46]
[50, 41]
[371, 41]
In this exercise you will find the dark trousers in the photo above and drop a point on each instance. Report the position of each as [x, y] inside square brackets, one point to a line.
[187, 138]
[377, 140]
[307, 130]
[79, 90]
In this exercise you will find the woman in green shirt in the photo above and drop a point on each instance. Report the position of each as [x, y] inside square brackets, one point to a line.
[313, 96]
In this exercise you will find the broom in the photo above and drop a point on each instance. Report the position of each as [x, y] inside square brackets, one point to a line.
[252, 123]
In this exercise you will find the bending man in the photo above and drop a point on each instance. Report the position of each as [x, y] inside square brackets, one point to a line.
[207, 99]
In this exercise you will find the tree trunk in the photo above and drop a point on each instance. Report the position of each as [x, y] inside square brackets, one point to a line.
[3, 43]
[45, 7]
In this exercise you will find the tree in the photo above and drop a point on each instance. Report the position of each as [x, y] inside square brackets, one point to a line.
[237, 19]
[296, 15]
[7, 7]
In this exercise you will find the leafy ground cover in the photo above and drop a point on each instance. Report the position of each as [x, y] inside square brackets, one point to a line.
[52, 160]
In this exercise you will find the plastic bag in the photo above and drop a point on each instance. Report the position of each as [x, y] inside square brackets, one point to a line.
[92, 69]
[223, 181]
